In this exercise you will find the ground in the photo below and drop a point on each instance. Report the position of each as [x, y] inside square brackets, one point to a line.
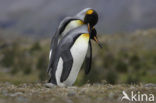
[96, 93]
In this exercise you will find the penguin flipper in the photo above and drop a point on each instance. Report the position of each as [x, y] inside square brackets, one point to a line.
[55, 37]
[66, 55]
[67, 65]
[88, 61]
[53, 48]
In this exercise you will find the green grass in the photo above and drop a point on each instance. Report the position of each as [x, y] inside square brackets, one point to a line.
[124, 58]
[18, 78]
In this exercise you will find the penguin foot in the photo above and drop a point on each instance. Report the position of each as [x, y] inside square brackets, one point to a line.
[62, 85]
[50, 85]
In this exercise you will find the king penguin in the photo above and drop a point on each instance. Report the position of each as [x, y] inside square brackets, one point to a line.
[70, 55]
[70, 23]
[85, 16]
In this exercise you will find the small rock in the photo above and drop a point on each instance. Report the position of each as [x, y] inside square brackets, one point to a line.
[15, 94]
[22, 99]
[72, 87]
[5, 92]
[71, 93]
[111, 95]
[132, 87]
[83, 91]
[69, 100]
[150, 85]
[7, 83]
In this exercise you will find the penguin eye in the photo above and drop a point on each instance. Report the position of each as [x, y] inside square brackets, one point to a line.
[89, 12]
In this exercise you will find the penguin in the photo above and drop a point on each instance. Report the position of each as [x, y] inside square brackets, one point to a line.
[69, 23]
[70, 54]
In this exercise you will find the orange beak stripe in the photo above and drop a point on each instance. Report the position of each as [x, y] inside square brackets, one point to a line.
[95, 39]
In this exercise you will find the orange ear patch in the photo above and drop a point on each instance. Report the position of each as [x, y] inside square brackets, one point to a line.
[90, 12]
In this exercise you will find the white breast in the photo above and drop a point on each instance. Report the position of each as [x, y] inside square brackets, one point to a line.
[78, 51]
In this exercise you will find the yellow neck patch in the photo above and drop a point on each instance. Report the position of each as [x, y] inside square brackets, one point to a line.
[85, 35]
[90, 12]
[79, 22]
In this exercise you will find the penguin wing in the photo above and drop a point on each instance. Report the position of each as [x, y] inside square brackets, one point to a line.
[67, 56]
[88, 60]
[60, 29]
[54, 40]
[52, 51]
[67, 65]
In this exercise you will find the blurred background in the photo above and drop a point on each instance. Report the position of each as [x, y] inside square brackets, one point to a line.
[127, 29]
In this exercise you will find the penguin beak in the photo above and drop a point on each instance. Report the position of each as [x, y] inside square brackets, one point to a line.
[95, 37]
[97, 41]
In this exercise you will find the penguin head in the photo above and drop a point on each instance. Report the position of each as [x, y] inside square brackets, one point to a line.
[93, 36]
[88, 15]
[91, 17]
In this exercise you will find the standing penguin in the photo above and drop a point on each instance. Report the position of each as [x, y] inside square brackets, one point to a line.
[70, 23]
[87, 15]
[70, 54]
